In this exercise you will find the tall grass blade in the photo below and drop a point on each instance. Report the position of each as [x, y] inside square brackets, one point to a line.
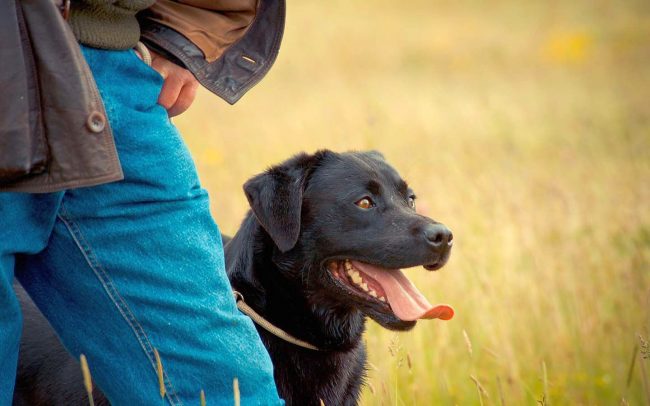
[468, 343]
[88, 382]
[500, 388]
[235, 389]
[644, 376]
[545, 377]
[645, 348]
[159, 372]
[630, 370]
[479, 388]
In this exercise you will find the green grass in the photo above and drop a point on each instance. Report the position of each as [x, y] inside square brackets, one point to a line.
[523, 126]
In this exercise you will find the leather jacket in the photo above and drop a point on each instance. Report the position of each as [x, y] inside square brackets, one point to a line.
[54, 134]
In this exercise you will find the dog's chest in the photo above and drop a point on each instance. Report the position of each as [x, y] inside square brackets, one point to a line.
[305, 377]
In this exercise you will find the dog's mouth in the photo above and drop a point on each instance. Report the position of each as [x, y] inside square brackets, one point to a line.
[387, 288]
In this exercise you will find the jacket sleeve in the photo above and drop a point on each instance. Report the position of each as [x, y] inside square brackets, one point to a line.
[229, 45]
[211, 25]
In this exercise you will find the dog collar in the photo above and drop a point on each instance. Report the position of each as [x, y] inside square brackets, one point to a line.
[268, 326]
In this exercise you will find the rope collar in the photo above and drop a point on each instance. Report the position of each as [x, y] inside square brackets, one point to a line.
[266, 325]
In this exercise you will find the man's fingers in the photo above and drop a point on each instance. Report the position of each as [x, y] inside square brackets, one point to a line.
[184, 100]
[179, 86]
[161, 66]
[171, 88]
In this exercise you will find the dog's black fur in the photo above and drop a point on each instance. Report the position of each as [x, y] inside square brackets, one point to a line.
[47, 374]
[304, 217]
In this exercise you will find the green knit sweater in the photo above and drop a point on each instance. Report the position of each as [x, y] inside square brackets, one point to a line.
[107, 24]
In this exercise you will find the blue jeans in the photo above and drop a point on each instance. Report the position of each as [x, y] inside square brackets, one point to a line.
[124, 268]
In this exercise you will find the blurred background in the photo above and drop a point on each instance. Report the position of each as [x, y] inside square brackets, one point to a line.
[522, 125]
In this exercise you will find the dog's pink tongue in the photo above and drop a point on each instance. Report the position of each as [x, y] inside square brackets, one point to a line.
[405, 300]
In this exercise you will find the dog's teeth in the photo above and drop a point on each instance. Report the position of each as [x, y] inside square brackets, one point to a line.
[364, 286]
[372, 293]
[356, 278]
[383, 299]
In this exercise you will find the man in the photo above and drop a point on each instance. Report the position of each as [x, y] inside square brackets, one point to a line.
[124, 258]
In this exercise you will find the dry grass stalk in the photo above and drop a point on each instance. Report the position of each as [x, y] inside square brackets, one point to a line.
[394, 346]
[88, 382]
[235, 389]
[644, 377]
[501, 397]
[630, 370]
[468, 343]
[321, 402]
[159, 371]
[202, 398]
[481, 390]
[645, 347]
[491, 352]
[545, 377]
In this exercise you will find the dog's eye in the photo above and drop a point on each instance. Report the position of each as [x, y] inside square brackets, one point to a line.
[412, 201]
[365, 203]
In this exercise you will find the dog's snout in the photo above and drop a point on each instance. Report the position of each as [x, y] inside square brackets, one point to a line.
[438, 236]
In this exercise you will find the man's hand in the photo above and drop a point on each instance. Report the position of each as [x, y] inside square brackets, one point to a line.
[178, 90]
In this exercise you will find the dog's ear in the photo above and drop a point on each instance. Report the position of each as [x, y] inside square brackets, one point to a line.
[275, 197]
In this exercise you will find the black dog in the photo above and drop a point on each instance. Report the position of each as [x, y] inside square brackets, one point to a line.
[321, 250]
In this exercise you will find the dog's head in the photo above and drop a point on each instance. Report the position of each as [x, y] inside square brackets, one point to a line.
[343, 224]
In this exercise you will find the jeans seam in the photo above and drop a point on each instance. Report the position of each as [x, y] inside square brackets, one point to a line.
[116, 298]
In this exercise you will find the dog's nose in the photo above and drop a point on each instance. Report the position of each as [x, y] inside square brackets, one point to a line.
[438, 236]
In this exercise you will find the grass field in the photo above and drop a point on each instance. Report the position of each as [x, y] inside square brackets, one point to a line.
[525, 127]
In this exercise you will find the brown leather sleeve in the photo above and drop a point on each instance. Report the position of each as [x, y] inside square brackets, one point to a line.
[212, 25]
[228, 45]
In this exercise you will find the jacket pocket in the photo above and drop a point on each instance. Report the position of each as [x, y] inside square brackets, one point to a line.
[23, 146]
